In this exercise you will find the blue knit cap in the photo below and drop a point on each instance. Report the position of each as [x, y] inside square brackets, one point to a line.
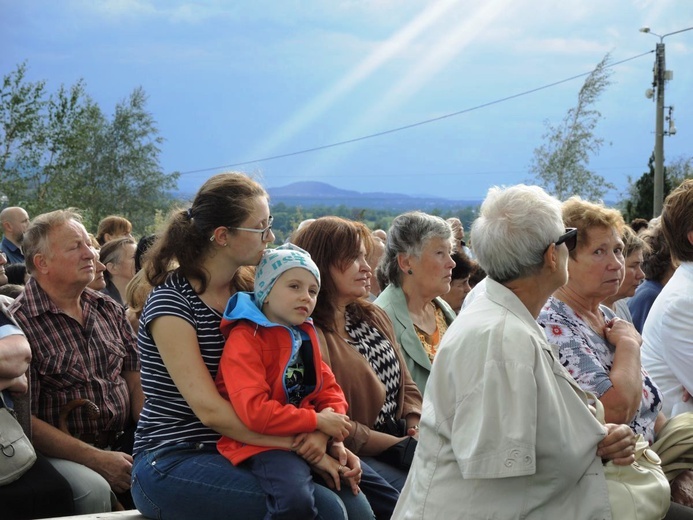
[277, 261]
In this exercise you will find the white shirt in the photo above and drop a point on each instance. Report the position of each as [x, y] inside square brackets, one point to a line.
[505, 431]
[667, 348]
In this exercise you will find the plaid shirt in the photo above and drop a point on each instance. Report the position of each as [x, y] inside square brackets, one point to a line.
[71, 361]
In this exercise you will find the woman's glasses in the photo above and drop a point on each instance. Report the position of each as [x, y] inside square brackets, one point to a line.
[265, 231]
[569, 238]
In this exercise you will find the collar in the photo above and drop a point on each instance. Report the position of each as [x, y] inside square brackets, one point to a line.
[36, 300]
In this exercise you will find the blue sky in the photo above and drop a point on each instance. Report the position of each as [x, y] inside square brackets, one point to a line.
[236, 81]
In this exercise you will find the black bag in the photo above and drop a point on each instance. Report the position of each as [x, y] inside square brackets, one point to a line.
[400, 455]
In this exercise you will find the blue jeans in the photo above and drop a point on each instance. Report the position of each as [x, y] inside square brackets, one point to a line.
[288, 483]
[188, 481]
[394, 476]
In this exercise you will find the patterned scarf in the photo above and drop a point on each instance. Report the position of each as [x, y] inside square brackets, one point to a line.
[380, 354]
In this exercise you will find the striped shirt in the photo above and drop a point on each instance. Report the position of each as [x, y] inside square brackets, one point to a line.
[166, 417]
[73, 361]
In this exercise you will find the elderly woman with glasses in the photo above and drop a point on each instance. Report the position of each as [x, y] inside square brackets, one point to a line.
[418, 266]
[505, 431]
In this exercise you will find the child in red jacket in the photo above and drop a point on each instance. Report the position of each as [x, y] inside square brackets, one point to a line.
[273, 374]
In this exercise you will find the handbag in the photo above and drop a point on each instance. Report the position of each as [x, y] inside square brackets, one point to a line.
[400, 455]
[639, 491]
[17, 453]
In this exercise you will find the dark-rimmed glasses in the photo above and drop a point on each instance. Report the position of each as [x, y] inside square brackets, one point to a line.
[265, 231]
[569, 238]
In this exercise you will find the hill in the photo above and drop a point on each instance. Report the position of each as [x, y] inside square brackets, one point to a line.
[311, 193]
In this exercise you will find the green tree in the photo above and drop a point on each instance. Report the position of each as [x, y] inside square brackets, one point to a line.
[560, 165]
[59, 150]
[639, 203]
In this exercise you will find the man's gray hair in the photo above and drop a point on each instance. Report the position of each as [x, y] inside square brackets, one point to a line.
[36, 237]
[514, 228]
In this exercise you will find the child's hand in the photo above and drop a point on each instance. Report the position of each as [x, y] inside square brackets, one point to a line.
[313, 446]
[335, 425]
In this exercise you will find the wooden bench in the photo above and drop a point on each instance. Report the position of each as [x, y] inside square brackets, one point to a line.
[121, 515]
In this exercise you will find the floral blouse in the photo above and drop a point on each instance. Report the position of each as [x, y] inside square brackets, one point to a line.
[589, 358]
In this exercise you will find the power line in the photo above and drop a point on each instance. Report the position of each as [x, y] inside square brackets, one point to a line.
[412, 125]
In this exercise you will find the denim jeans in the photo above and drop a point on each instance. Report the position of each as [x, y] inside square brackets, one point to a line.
[394, 476]
[188, 481]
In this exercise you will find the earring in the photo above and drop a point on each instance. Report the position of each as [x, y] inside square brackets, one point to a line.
[225, 244]
[410, 271]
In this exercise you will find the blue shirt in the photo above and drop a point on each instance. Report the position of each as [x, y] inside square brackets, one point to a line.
[12, 252]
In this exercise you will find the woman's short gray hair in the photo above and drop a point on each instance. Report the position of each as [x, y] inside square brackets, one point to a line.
[408, 235]
[513, 230]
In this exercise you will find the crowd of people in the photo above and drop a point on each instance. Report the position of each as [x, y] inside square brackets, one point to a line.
[349, 373]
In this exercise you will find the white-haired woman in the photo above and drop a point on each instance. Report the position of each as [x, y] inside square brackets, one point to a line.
[418, 265]
[500, 414]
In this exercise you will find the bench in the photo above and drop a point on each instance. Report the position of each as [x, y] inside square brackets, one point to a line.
[120, 515]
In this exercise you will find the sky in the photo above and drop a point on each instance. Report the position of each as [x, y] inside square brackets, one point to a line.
[234, 83]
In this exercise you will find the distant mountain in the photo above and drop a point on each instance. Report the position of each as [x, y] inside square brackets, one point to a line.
[311, 193]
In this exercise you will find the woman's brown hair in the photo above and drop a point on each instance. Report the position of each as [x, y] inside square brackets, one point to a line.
[227, 200]
[334, 242]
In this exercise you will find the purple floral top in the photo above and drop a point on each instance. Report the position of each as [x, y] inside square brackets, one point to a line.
[589, 358]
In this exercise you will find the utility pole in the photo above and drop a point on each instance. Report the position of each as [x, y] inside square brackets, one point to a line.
[659, 82]
[661, 76]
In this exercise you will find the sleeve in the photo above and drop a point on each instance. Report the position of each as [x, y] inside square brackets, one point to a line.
[167, 301]
[331, 395]
[576, 354]
[676, 333]
[360, 432]
[242, 378]
[8, 327]
[494, 427]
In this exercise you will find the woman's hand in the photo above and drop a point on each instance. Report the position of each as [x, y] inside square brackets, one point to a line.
[617, 330]
[348, 468]
[311, 446]
[618, 445]
[413, 425]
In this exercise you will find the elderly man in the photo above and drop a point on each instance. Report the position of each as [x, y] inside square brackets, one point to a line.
[15, 222]
[83, 348]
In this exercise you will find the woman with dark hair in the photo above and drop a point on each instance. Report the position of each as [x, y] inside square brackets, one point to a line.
[459, 283]
[667, 349]
[16, 274]
[193, 267]
[359, 344]
[418, 264]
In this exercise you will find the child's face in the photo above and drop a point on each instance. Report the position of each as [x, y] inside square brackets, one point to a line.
[292, 298]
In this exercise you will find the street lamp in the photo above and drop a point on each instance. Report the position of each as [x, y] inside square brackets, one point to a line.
[661, 75]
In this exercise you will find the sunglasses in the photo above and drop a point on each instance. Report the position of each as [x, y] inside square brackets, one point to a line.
[569, 238]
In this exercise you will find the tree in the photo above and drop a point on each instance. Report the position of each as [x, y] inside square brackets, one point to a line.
[59, 150]
[560, 165]
[640, 201]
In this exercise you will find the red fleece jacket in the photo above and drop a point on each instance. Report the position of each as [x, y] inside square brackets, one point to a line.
[251, 376]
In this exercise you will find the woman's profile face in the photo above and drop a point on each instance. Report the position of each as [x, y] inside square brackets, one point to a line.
[432, 271]
[597, 269]
[246, 246]
[634, 275]
[353, 282]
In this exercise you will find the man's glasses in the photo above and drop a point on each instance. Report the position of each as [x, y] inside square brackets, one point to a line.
[265, 231]
[569, 238]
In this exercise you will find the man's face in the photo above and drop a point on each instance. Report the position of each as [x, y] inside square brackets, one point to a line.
[70, 258]
[20, 223]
